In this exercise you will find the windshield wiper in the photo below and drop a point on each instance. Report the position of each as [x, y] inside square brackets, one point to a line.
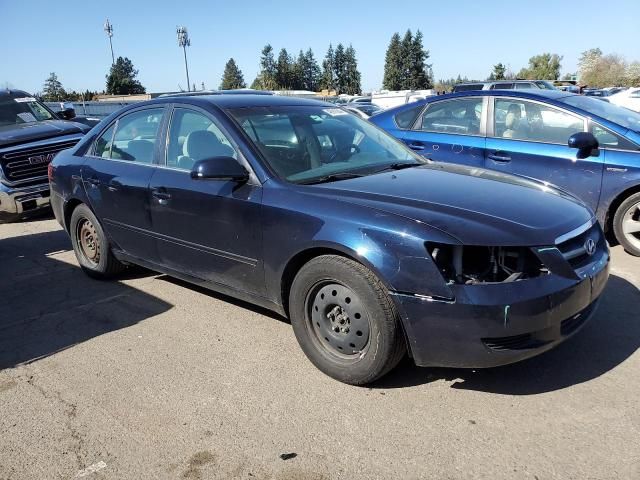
[398, 166]
[333, 177]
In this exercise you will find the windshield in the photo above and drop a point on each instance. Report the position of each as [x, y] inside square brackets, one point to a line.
[305, 143]
[22, 110]
[622, 116]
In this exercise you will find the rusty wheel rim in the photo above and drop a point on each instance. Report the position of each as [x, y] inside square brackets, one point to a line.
[87, 238]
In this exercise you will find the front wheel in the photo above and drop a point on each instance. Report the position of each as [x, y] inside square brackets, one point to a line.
[345, 321]
[626, 224]
[91, 246]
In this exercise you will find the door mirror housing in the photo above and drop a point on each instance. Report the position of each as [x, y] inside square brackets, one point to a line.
[219, 168]
[585, 142]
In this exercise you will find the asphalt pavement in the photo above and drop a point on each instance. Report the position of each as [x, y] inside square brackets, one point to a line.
[148, 378]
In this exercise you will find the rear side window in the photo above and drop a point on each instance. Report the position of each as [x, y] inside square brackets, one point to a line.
[524, 86]
[406, 118]
[502, 86]
[454, 116]
[134, 139]
[468, 87]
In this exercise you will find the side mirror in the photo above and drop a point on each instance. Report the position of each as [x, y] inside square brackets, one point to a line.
[67, 114]
[219, 168]
[585, 142]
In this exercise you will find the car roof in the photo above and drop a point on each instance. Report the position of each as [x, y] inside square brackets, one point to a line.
[11, 93]
[527, 92]
[247, 100]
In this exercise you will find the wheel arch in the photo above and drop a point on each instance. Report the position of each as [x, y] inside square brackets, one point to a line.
[615, 204]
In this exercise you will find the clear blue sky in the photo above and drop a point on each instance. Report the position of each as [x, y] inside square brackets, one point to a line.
[464, 37]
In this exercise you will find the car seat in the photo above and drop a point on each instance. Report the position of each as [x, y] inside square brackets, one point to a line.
[202, 144]
[140, 150]
[512, 121]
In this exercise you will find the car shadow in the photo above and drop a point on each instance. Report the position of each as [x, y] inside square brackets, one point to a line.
[49, 305]
[608, 339]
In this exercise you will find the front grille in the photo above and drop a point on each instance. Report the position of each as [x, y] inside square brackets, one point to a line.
[574, 250]
[24, 166]
[515, 342]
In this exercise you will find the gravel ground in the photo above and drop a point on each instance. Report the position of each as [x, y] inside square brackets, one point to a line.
[148, 377]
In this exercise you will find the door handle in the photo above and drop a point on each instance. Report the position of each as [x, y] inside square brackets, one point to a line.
[500, 157]
[161, 194]
[415, 146]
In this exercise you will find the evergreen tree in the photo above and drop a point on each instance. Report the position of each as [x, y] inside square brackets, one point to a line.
[339, 71]
[257, 83]
[311, 72]
[418, 70]
[122, 79]
[232, 77]
[499, 71]
[297, 72]
[52, 91]
[267, 75]
[284, 70]
[393, 64]
[407, 51]
[328, 70]
[352, 76]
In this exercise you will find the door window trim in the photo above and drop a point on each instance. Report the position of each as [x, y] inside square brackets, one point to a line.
[491, 125]
[253, 178]
[483, 118]
[114, 123]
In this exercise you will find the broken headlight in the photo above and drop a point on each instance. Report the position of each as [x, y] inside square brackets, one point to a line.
[472, 265]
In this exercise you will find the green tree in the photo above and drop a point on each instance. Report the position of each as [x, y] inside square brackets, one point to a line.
[267, 76]
[393, 64]
[499, 71]
[310, 72]
[406, 47]
[418, 71]
[545, 66]
[339, 72]
[351, 75]
[232, 77]
[297, 72]
[284, 70]
[328, 80]
[52, 91]
[122, 79]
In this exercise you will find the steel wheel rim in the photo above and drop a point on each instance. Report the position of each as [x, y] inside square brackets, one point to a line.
[631, 225]
[338, 320]
[88, 241]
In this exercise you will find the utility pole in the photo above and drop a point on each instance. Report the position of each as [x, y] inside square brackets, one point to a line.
[108, 29]
[184, 41]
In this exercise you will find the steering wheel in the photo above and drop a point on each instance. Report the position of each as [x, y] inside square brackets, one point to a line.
[349, 149]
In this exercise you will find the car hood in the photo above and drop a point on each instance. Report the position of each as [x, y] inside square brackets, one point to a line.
[30, 132]
[476, 206]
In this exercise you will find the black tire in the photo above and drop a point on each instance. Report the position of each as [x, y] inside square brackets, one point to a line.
[371, 311]
[628, 215]
[85, 230]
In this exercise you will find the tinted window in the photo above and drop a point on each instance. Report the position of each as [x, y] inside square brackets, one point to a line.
[102, 146]
[502, 86]
[524, 86]
[303, 144]
[467, 87]
[407, 118]
[607, 138]
[522, 120]
[135, 137]
[453, 116]
[192, 137]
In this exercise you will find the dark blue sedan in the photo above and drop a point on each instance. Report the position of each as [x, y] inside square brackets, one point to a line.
[527, 133]
[300, 207]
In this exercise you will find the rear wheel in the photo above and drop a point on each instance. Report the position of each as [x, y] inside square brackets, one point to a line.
[91, 246]
[345, 321]
[626, 224]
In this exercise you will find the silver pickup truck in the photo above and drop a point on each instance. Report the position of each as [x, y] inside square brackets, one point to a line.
[30, 136]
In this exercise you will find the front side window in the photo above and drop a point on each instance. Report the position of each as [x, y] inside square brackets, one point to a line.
[523, 120]
[102, 147]
[304, 144]
[18, 110]
[453, 116]
[193, 136]
[134, 139]
[406, 118]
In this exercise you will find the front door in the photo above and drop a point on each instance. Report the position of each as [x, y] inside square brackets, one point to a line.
[208, 229]
[450, 131]
[530, 139]
[116, 177]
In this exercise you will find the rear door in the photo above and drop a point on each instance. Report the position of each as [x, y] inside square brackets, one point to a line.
[451, 131]
[116, 178]
[208, 229]
[530, 138]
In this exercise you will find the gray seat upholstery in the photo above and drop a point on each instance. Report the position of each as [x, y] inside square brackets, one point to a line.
[141, 150]
[202, 144]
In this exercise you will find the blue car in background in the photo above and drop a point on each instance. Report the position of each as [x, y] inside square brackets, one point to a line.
[585, 146]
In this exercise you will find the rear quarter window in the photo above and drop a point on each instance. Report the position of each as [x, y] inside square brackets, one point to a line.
[407, 118]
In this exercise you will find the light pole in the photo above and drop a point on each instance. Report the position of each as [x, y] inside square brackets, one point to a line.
[108, 29]
[184, 41]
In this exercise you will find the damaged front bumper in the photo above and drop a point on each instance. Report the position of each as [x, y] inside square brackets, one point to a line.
[488, 325]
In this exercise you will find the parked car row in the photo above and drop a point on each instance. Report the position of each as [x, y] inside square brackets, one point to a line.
[371, 250]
